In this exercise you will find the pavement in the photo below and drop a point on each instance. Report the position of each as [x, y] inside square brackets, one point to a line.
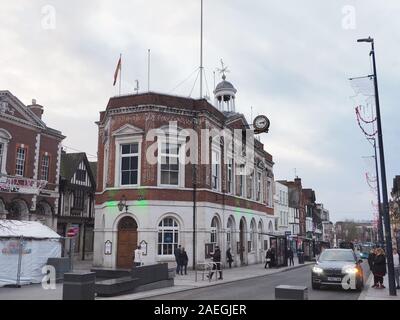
[255, 283]
[377, 294]
[182, 283]
[263, 288]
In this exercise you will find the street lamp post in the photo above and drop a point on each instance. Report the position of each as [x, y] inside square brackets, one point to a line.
[385, 209]
[380, 222]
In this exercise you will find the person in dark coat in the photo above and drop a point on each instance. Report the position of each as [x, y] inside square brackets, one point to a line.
[379, 268]
[268, 259]
[229, 257]
[177, 254]
[217, 263]
[291, 257]
[273, 258]
[371, 258]
[184, 259]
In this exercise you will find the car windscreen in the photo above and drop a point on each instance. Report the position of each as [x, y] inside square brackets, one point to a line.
[366, 248]
[337, 255]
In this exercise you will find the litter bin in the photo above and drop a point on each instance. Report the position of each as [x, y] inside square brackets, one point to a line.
[79, 286]
[300, 255]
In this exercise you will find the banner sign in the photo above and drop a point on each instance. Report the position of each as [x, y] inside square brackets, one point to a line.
[21, 185]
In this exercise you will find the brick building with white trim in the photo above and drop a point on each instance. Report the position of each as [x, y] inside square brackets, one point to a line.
[168, 203]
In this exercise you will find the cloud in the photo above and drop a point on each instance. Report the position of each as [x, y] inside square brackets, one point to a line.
[288, 60]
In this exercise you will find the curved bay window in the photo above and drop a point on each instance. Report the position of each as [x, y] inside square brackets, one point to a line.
[168, 236]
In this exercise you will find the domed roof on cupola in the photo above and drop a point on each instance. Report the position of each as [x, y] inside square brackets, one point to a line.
[225, 93]
[224, 86]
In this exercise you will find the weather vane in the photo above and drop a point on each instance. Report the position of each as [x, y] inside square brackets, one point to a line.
[223, 70]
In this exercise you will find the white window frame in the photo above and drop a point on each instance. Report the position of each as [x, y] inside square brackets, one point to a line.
[218, 161]
[174, 229]
[250, 186]
[23, 163]
[259, 187]
[105, 164]
[181, 141]
[253, 237]
[5, 138]
[118, 160]
[44, 175]
[230, 168]
[214, 235]
[230, 233]
[242, 185]
[2, 158]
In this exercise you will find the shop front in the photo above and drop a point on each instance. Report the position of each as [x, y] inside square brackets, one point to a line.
[309, 249]
[279, 244]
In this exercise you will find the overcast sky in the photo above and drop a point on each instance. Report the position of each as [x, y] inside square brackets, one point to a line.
[288, 59]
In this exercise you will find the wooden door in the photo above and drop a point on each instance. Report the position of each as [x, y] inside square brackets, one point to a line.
[127, 242]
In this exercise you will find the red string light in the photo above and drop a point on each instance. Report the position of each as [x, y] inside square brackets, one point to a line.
[361, 127]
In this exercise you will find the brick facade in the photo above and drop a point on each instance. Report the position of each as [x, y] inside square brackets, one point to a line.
[20, 127]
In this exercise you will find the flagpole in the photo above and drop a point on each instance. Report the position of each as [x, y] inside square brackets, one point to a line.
[120, 73]
[148, 71]
[201, 51]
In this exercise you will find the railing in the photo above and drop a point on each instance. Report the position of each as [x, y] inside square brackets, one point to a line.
[206, 268]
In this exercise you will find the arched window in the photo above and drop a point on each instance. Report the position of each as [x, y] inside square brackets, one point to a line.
[270, 227]
[214, 232]
[253, 237]
[260, 231]
[168, 236]
[229, 232]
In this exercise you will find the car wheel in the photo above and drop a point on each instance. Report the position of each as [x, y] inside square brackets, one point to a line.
[316, 286]
[360, 285]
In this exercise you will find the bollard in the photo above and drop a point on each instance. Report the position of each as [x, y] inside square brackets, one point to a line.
[291, 293]
[79, 286]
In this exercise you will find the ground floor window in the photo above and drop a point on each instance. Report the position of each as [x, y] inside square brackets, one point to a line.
[168, 236]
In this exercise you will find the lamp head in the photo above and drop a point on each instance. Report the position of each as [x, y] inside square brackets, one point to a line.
[122, 204]
[369, 39]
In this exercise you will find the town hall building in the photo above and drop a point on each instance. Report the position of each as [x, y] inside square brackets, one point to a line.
[168, 202]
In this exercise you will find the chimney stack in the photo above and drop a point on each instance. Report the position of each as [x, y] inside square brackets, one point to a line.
[36, 108]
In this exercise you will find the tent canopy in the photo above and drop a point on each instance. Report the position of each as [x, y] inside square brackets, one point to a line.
[27, 229]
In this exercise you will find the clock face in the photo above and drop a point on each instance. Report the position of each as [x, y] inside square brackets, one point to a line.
[261, 123]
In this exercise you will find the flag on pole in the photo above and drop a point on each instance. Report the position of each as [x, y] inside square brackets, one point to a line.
[117, 70]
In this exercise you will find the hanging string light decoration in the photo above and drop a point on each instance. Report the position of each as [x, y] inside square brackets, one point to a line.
[371, 183]
[359, 119]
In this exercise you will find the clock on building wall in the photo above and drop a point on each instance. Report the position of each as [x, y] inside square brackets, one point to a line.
[261, 124]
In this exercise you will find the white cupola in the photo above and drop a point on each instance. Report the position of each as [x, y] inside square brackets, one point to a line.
[225, 94]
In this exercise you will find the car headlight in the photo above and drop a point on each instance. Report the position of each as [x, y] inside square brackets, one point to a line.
[350, 270]
[317, 270]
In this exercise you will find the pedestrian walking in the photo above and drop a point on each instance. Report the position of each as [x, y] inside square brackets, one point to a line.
[273, 258]
[291, 257]
[137, 257]
[396, 263]
[217, 263]
[371, 259]
[184, 260]
[268, 259]
[379, 267]
[177, 254]
[229, 257]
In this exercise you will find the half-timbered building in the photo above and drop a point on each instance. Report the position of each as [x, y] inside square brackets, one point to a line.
[76, 209]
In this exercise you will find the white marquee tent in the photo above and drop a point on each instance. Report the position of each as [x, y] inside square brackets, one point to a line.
[39, 243]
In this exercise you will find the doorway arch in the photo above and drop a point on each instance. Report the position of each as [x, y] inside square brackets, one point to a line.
[18, 210]
[127, 242]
